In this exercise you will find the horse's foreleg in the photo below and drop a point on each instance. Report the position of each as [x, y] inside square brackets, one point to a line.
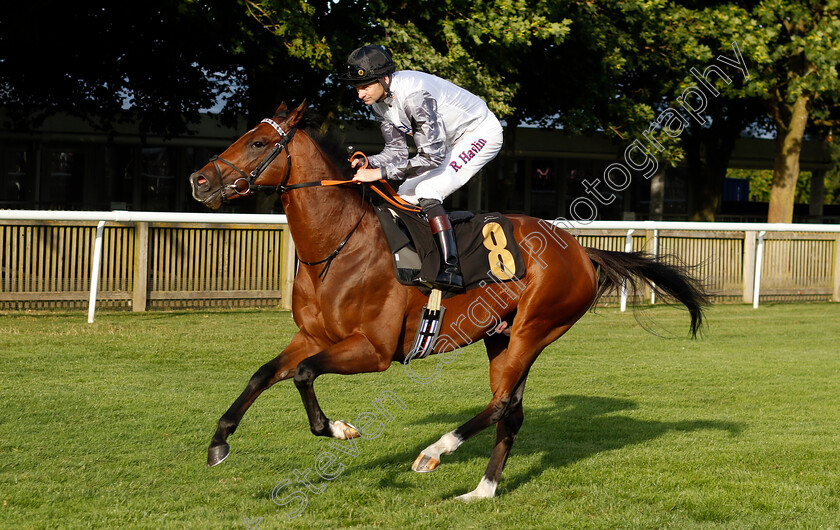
[279, 368]
[354, 355]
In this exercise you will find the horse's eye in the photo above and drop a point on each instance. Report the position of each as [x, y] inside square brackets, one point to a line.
[257, 145]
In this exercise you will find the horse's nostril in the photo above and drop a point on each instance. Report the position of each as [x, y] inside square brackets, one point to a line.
[200, 180]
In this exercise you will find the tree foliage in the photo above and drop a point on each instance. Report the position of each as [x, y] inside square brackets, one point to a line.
[475, 44]
[761, 185]
[794, 52]
[583, 65]
[166, 60]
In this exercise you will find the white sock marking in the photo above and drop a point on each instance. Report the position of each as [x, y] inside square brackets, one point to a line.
[447, 444]
[486, 489]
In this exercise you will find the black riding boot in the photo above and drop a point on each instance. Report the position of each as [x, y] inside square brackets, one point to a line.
[449, 278]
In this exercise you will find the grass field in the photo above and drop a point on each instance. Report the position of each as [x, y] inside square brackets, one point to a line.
[107, 425]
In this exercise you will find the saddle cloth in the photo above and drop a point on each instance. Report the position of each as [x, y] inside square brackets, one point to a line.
[487, 248]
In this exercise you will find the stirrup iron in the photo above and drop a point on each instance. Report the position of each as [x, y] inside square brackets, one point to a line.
[431, 320]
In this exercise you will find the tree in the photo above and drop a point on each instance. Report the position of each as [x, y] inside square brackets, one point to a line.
[481, 45]
[794, 51]
[791, 53]
[710, 94]
[475, 44]
[163, 61]
[620, 64]
[625, 66]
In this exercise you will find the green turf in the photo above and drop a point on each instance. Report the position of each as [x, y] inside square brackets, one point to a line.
[107, 425]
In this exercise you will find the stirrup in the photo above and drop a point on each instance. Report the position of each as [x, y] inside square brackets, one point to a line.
[431, 320]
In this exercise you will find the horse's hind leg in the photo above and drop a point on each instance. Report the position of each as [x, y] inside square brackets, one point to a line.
[506, 431]
[429, 458]
[508, 371]
[281, 367]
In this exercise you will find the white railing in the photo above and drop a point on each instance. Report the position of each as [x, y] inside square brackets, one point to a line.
[760, 228]
[654, 227]
[103, 217]
[121, 216]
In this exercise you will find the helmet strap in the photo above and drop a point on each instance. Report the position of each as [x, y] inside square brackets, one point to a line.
[386, 86]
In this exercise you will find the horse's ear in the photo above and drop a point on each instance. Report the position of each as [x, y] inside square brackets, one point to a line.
[296, 114]
[281, 111]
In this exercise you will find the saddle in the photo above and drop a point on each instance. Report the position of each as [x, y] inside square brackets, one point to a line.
[488, 253]
[487, 248]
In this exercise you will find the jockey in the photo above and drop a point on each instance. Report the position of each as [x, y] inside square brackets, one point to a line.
[454, 132]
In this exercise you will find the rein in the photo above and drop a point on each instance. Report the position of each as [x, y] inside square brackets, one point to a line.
[389, 195]
[244, 185]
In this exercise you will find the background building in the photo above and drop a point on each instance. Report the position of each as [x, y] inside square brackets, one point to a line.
[65, 165]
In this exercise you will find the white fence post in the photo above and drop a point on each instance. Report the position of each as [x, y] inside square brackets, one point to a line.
[139, 294]
[759, 255]
[628, 247]
[748, 266]
[94, 269]
[655, 254]
[835, 291]
[288, 267]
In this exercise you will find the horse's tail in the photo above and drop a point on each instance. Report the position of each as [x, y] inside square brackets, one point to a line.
[674, 282]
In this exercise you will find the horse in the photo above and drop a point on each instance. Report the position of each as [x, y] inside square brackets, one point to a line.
[355, 317]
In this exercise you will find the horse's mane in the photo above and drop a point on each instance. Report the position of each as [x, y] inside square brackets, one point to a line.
[332, 143]
[329, 138]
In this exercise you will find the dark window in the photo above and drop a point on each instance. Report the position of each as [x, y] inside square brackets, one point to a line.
[158, 179]
[16, 187]
[63, 180]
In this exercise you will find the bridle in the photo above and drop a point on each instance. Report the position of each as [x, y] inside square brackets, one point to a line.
[244, 185]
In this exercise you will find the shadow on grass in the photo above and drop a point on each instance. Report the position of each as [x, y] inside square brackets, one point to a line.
[572, 429]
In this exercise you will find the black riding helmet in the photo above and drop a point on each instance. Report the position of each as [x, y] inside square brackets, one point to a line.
[367, 64]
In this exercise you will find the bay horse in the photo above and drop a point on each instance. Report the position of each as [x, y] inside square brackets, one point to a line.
[355, 317]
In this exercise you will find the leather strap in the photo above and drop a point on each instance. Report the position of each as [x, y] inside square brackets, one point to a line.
[440, 223]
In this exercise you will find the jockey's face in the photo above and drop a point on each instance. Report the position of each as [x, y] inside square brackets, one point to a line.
[372, 92]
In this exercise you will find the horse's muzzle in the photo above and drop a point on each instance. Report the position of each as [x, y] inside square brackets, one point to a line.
[202, 191]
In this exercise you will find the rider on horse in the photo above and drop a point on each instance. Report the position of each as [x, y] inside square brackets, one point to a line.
[454, 132]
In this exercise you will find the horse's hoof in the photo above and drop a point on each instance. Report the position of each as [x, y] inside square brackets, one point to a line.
[469, 497]
[217, 454]
[425, 464]
[344, 431]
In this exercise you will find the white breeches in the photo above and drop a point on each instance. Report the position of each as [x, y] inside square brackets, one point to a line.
[463, 161]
